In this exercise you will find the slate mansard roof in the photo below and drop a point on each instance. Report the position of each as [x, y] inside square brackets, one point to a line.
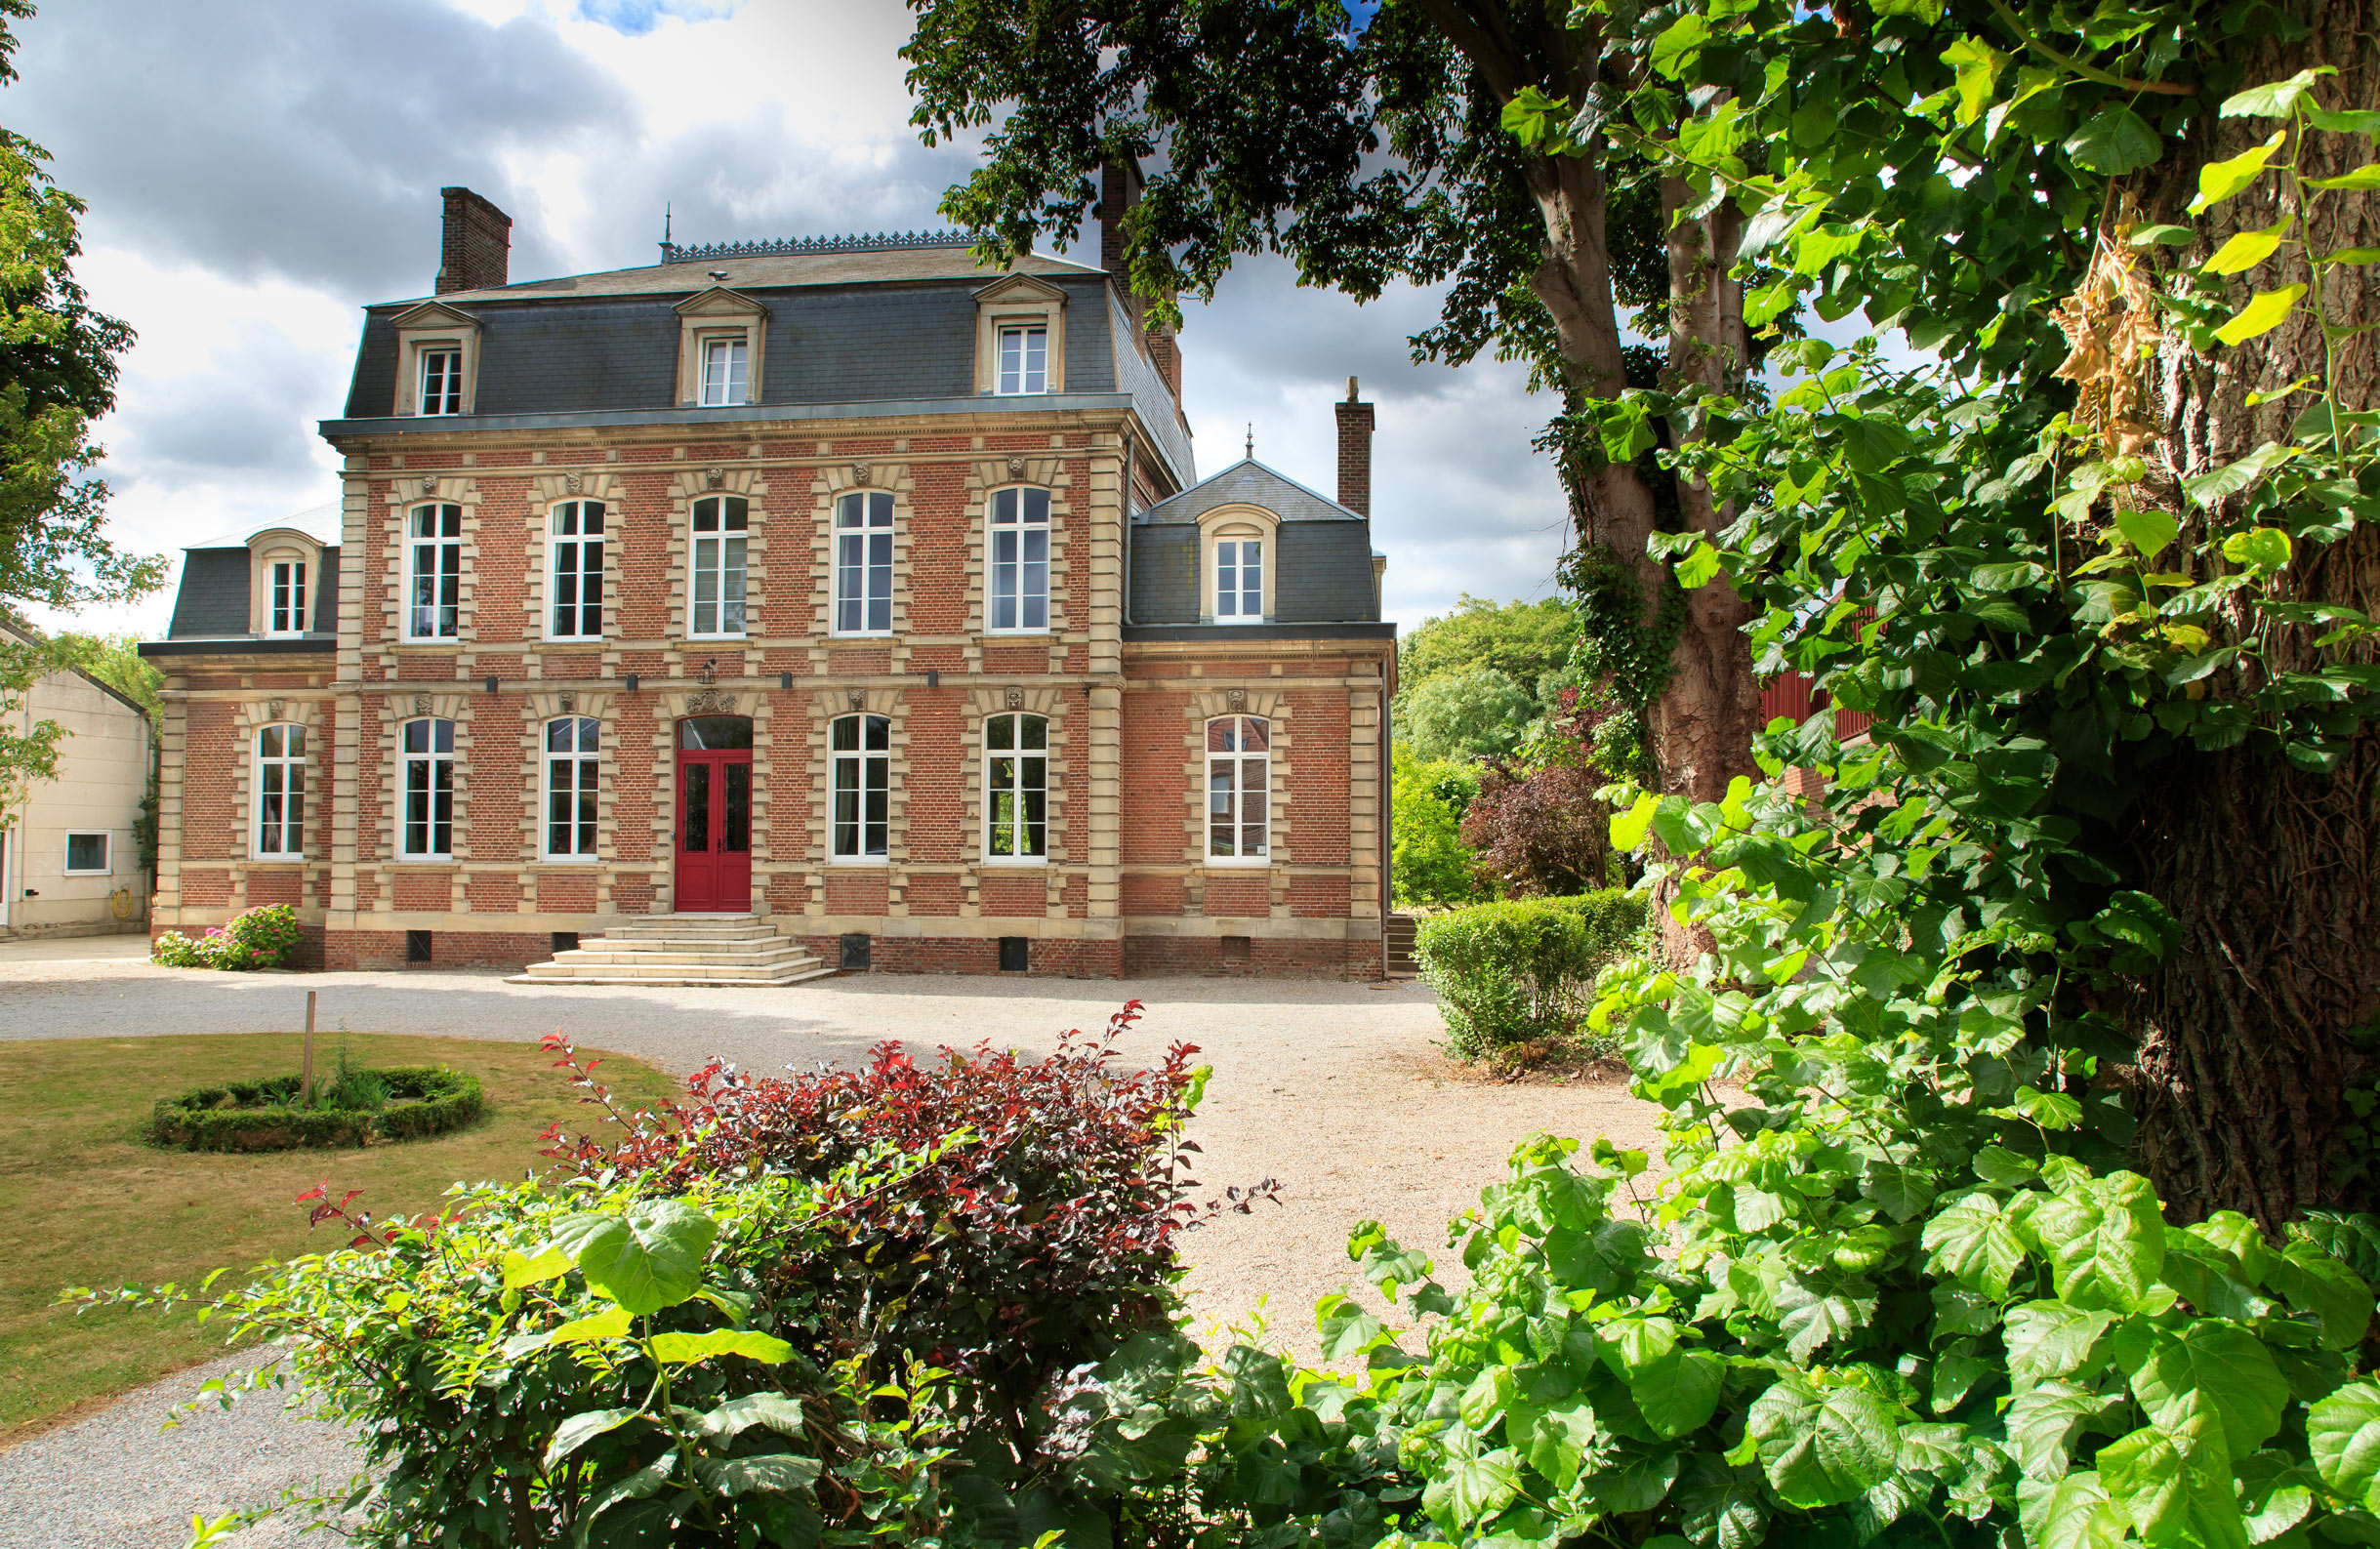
[890, 330]
[212, 604]
[1322, 555]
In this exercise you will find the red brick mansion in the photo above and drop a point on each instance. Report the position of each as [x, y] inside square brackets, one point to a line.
[836, 582]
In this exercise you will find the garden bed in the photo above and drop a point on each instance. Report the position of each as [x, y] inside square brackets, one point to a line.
[402, 1102]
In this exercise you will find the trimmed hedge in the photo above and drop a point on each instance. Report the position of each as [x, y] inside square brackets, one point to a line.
[262, 1115]
[1510, 972]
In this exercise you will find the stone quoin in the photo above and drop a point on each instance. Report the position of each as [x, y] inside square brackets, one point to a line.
[837, 581]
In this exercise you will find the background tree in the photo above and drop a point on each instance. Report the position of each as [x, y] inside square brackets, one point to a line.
[1526, 641]
[1429, 863]
[1368, 147]
[1461, 716]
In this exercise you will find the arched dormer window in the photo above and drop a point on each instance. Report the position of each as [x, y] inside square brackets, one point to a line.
[284, 580]
[1239, 560]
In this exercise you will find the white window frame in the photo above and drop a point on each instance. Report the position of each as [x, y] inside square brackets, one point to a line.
[1018, 378]
[107, 853]
[862, 538]
[1017, 502]
[1238, 759]
[723, 577]
[576, 771]
[290, 770]
[574, 544]
[1239, 591]
[285, 597]
[427, 760]
[732, 385]
[848, 771]
[1016, 787]
[449, 397]
[432, 548]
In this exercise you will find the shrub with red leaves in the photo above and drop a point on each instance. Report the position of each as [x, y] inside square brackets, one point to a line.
[1541, 834]
[1039, 1235]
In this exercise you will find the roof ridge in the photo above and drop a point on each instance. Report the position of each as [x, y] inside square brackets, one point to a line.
[876, 242]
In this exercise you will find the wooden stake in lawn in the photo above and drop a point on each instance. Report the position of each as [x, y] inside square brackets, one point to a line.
[305, 1083]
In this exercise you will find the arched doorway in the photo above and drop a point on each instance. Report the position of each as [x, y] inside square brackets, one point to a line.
[713, 815]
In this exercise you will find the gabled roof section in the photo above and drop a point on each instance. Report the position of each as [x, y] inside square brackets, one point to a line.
[719, 302]
[1020, 288]
[1248, 482]
[433, 314]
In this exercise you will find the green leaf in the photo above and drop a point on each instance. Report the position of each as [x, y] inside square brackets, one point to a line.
[612, 1322]
[2041, 1422]
[1679, 1395]
[2315, 1281]
[2050, 1339]
[1973, 1241]
[2344, 121]
[778, 1473]
[2166, 236]
[1811, 1322]
[2273, 98]
[1628, 829]
[1978, 65]
[1561, 1441]
[2247, 249]
[2365, 177]
[2343, 1430]
[1473, 1488]
[2233, 478]
[2223, 1364]
[635, 1486]
[685, 1349]
[1628, 1345]
[2352, 255]
[1639, 1484]
[2148, 531]
[2070, 1513]
[2263, 549]
[775, 1410]
[2264, 311]
[1674, 49]
[647, 1259]
[2049, 1110]
[520, 1270]
[2218, 180]
[2115, 140]
[1697, 569]
[580, 1429]
[1822, 1449]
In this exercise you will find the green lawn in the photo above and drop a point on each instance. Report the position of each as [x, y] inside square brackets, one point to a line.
[84, 1201]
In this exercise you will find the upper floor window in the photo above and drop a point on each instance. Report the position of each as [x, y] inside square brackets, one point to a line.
[1016, 788]
[724, 372]
[720, 523]
[1238, 581]
[427, 819]
[863, 563]
[863, 787]
[280, 792]
[1020, 559]
[572, 767]
[285, 607]
[433, 572]
[441, 384]
[1024, 360]
[1238, 788]
[575, 561]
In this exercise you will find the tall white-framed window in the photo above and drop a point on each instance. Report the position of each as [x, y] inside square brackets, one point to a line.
[1238, 788]
[441, 383]
[573, 772]
[426, 820]
[726, 372]
[285, 599]
[862, 788]
[280, 792]
[89, 854]
[1238, 581]
[863, 563]
[433, 572]
[1019, 557]
[1024, 359]
[574, 570]
[1015, 788]
[720, 526]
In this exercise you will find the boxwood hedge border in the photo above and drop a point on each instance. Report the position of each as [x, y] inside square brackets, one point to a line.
[423, 1100]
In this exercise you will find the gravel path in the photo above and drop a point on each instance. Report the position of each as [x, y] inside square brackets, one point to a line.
[1336, 1089]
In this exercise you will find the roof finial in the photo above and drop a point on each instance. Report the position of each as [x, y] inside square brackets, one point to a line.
[1252, 440]
[668, 248]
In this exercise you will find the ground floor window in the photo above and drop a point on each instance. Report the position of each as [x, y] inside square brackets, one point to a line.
[572, 768]
[87, 854]
[863, 787]
[1238, 788]
[428, 813]
[1016, 788]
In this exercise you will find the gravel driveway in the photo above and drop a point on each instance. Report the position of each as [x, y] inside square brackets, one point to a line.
[1336, 1089]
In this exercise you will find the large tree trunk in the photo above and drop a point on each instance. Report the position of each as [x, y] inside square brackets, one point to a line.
[2246, 1058]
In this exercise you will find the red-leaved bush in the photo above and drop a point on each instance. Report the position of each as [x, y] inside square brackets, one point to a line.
[1037, 1235]
[1541, 834]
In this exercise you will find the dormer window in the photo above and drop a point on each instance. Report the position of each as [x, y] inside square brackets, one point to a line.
[724, 372]
[1024, 360]
[1239, 580]
[441, 382]
[286, 604]
[1241, 551]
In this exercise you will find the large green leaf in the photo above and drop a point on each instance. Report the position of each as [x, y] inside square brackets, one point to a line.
[776, 1472]
[2041, 1424]
[2218, 180]
[2315, 1281]
[2264, 312]
[1678, 1394]
[644, 1259]
[2115, 140]
[1973, 1241]
[1473, 1488]
[1821, 1449]
[2343, 1430]
[2105, 1242]
[582, 1428]
[2073, 1512]
[1561, 1443]
[685, 1349]
[2228, 1367]
[2050, 1339]
[775, 1410]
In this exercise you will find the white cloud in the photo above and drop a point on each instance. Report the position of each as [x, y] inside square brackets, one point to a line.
[257, 174]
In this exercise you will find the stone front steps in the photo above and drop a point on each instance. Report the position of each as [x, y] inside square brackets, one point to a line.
[682, 950]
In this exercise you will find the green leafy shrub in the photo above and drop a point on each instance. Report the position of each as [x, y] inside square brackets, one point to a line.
[263, 937]
[1520, 970]
[1429, 865]
[414, 1101]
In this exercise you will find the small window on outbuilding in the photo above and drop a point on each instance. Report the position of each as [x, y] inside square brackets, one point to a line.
[88, 854]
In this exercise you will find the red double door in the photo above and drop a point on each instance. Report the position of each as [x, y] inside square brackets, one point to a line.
[713, 815]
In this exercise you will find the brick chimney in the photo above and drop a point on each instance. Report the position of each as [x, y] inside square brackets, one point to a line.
[1120, 185]
[475, 252]
[1355, 453]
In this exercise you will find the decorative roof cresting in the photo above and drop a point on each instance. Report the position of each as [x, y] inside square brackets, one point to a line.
[880, 242]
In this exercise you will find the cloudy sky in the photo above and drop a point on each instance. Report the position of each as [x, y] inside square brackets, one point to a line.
[258, 171]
